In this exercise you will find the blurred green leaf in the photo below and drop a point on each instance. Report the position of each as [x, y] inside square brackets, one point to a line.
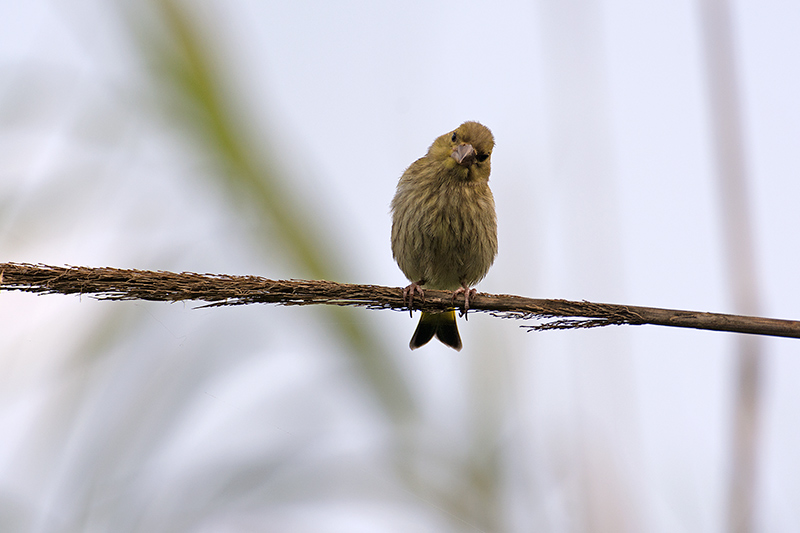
[185, 70]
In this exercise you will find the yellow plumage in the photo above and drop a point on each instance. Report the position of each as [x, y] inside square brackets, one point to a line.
[444, 227]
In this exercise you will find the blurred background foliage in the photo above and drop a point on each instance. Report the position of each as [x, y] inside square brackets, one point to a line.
[261, 138]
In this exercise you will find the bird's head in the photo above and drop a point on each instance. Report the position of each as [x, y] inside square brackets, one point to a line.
[467, 151]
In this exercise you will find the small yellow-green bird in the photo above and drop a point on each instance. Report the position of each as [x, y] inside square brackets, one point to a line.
[444, 227]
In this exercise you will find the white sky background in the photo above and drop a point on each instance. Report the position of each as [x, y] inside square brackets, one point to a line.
[603, 179]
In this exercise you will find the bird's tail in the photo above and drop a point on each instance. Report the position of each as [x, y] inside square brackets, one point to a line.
[443, 325]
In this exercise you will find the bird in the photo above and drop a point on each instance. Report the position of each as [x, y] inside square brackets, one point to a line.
[444, 225]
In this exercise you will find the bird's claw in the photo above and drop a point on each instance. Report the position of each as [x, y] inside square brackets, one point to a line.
[468, 293]
[408, 296]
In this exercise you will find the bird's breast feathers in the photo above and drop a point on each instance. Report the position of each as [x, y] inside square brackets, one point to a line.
[446, 235]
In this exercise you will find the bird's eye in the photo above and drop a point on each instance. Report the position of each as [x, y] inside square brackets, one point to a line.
[454, 137]
[481, 157]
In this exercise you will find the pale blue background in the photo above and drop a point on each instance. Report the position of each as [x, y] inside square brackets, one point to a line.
[135, 416]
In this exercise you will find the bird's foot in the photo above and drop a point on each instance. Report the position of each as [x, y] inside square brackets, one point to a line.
[408, 295]
[468, 293]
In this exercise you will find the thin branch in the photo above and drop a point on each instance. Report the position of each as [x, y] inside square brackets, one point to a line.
[222, 290]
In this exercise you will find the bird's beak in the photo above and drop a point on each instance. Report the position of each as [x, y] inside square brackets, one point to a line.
[464, 154]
